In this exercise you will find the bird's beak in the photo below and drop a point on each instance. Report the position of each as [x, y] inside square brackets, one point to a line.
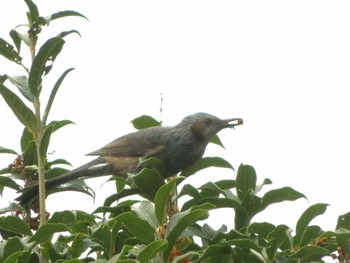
[231, 123]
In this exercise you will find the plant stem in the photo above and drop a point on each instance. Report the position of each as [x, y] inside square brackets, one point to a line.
[41, 163]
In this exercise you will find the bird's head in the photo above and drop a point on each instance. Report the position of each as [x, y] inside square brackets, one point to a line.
[204, 126]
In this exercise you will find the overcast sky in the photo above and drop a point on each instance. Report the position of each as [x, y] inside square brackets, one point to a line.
[282, 66]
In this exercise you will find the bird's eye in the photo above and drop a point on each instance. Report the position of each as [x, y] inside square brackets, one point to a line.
[207, 121]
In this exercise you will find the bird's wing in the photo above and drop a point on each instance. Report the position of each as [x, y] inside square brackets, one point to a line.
[140, 143]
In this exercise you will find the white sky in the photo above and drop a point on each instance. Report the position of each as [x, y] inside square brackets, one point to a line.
[283, 66]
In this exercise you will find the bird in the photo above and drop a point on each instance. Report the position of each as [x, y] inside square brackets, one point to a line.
[179, 147]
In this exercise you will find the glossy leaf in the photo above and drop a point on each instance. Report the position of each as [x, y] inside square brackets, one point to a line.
[258, 187]
[305, 219]
[189, 190]
[179, 222]
[344, 241]
[162, 197]
[118, 209]
[244, 243]
[22, 256]
[206, 162]
[12, 246]
[33, 11]
[26, 139]
[7, 50]
[246, 181]
[6, 150]
[276, 239]
[309, 253]
[70, 218]
[59, 124]
[42, 63]
[261, 229]
[138, 227]
[16, 39]
[216, 252]
[144, 122]
[53, 94]
[151, 250]
[14, 225]
[22, 112]
[45, 141]
[65, 13]
[45, 232]
[124, 193]
[30, 154]
[280, 195]
[216, 140]
[148, 181]
[66, 33]
[146, 211]
[59, 161]
[21, 82]
[6, 181]
[311, 234]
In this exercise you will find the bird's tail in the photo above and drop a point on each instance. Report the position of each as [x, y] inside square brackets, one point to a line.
[91, 169]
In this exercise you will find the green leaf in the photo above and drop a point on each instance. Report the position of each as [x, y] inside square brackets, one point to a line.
[22, 256]
[311, 234]
[261, 229]
[280, 195]
[45, 232]
[12, 246]
[260, 186]
[217, 253]
[344, 241]
[22, 112]
[59, 124]
[148, 181]
[66, 33]
[305, 219]
[9, 52]
[309, 254]
[206, 162]
[246, 181]
[8, 182]
[216, 140]
[276, 239]
[65, 14]
[151, 250]
[53, 94]
[103, 235]
[42, 63]
[16, 39]
[118, 209]
[30, 155]
[26, 139]
[144, 122]
[162, 197]
[70, 218]
[344, 221]
[179, 222]
[59, 161]
[14, 225]
[21, 82]
[45, 141]
[6, 150]
[138, 227]
[33, 11]
[146, 211]
[244, 243]
[124, 193]
[190, 190]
